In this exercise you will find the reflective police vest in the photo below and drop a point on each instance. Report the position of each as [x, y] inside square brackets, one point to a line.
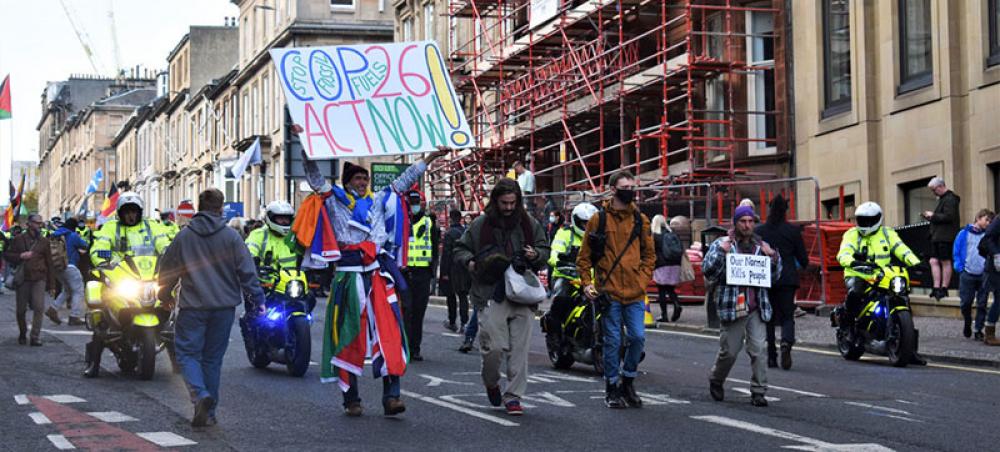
[282, 256]
[421, 248]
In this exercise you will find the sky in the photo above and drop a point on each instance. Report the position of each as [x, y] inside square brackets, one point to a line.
[38, 45]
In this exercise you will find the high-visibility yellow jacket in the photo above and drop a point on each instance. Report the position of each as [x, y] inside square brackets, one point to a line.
[881, 246]
[114, 241]
[421, 247]
[565, 242]
[270, 249]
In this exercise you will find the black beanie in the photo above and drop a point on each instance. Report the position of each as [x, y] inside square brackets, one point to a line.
[350, 170]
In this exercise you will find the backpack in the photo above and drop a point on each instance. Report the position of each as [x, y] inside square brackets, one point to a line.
[671, 247]
[57, 248]
[598, 240]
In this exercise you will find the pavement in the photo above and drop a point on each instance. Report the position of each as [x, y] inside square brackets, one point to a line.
[822, 403]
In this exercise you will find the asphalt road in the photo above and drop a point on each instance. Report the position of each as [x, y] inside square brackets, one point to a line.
[823, 403]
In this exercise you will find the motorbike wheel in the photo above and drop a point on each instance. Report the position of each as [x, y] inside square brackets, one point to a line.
[850, 351]
[297, 353]
[901, 350]
[147, 353]
[256, 355]
[559, 359]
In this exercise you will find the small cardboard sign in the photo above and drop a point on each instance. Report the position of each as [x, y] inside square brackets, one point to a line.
[748, 270]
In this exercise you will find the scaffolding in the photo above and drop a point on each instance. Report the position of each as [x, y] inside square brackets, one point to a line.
[679, 92]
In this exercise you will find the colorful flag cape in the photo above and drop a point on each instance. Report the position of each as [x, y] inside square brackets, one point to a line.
[363, 321]
[5, 109]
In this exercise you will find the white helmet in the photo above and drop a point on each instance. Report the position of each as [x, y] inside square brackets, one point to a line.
[581, 215]
[276, 209]
[127, 198]
[869, 218]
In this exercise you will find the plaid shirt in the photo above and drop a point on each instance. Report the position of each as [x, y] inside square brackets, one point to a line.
[714, 269]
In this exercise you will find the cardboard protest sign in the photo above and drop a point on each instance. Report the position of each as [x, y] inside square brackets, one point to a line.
[357, 101]
[748, 270]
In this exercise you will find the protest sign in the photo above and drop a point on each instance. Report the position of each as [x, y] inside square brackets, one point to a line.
[358, 101]
[748, 270]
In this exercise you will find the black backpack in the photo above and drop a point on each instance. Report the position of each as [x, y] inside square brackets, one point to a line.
[671, 247]
[598, 240]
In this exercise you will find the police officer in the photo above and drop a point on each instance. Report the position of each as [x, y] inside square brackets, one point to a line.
[421, 264]
[170, 227]
[267, 244]
[565, 246]
[127, 235]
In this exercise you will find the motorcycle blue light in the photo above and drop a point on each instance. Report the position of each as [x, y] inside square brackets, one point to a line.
[274, 315]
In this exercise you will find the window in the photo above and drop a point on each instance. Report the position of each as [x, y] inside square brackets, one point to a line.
[342, 4]
[917, 198]
[994, 34]
[995, 176]
[429, 21]
[255, 106]
[760, 97]
[246, 35]
[266, 98]
[914, 44]
[836, 57]
[408, 29]
[831, 208]
[246, 115]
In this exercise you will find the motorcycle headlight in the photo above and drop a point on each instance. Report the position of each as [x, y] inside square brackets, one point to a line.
[898, 285]
[295, 289]
[149, 292]
[273, 314]
[128, 288]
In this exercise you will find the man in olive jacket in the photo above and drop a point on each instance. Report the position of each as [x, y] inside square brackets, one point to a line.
[623, 284]
[505, 233]
[30, 250]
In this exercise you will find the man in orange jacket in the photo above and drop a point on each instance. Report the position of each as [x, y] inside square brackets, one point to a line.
[623, 261]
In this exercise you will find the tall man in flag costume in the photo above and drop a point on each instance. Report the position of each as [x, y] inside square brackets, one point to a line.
[363, 232]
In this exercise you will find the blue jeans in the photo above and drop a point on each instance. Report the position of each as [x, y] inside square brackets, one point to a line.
[472, 328]
[201, 338]
[633, 315]
[390, 389]
[973, 287]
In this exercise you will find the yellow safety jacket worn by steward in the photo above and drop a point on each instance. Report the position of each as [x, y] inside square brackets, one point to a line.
[114, 241]
[565, 242]
[86, 234]
[881, 245]
[421, 250]
[261, 241]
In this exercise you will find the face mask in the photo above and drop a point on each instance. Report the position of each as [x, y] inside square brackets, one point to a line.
[625, 196]
[415, 209]
[552, 219]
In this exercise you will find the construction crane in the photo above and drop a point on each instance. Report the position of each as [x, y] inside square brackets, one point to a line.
[81, 34]
[114, 37]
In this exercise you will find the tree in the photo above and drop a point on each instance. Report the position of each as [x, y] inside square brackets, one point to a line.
[30, 201]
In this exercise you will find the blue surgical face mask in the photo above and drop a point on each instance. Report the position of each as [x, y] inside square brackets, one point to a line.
[553, 219]
[415, 209]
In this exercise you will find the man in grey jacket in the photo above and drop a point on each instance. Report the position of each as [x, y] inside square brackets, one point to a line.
[214, 269]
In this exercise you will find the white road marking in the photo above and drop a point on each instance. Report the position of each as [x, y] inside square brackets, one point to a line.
[781, 388]
[580, 391]
[452, 335]
[21, 399]
[60, 442]
[458, 400]
[661, 399]
[69, 332]
[64, 398]
[437, 381]
[811, 443]
[880, 408]
[39, 418]
[565, 377]
[833, 353]
[906, 402]
[112, 416]
[166, 439]
[549, 398]
[466, 373]
[460, 409]
[746, 393]
[902, 418]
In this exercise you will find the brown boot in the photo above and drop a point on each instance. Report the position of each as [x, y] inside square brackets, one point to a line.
[991, 336]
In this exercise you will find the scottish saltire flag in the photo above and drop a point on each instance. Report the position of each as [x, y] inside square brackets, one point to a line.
[95, 182]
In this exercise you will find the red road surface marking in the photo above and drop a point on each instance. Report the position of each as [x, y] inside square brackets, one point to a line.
[87, 432]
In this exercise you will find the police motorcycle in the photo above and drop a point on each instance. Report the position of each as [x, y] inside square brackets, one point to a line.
[281, 333]
[126, 316]
[579, 338]
[885, 324]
